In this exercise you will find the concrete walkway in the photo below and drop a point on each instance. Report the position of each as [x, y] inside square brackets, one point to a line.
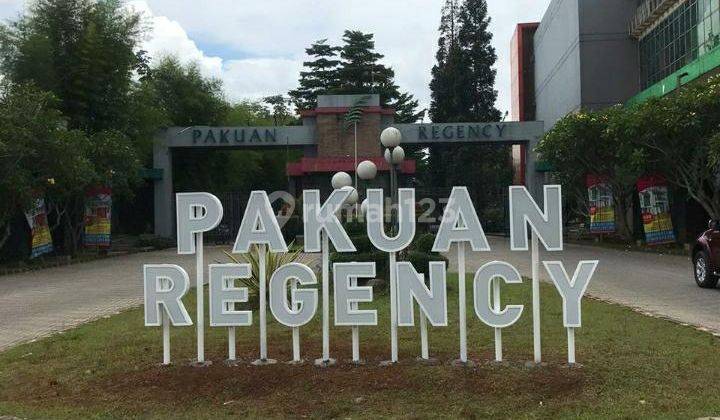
[39, 303]
[658, 284]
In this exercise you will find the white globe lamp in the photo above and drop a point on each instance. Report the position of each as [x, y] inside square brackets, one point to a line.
[364, 207]
[341, 179]
[353, 197]
[388, 156]
[366, 170]
[390, 137]
[398, 155]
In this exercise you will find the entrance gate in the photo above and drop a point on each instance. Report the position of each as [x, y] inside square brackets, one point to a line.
[326, 145]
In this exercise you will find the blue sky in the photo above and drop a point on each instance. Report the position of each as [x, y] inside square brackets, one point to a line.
[257, 46]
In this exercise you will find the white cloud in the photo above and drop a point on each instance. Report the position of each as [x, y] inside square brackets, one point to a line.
[259, 44]
[267, 30]
[243, 78]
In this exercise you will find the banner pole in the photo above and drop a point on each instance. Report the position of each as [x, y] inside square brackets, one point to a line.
[498, 331]
[535, 257]
[462, 301]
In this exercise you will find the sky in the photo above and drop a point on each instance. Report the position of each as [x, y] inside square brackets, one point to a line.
[257, 47]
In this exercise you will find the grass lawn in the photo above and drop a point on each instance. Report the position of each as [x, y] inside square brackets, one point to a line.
[633, 367]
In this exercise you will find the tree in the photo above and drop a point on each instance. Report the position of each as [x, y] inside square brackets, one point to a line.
[359, 72]
[85, 52]
[406, 109]
[462, 90]
[475, 39]
[184, 95]
[675, 135]
[595, 143]
[40, 157]
[321, 76]
[186, 98]
[280, 112]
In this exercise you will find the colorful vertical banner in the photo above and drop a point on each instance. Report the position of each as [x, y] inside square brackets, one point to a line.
[602, 207]
[97, 217]
[39, 229]
[655, 210]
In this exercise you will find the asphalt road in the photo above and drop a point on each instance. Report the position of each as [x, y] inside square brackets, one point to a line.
[40, 303]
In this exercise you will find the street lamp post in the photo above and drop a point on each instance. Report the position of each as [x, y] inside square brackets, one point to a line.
[391, 138]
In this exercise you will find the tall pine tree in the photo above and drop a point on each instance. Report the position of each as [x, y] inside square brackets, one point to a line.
[357, 71]
[462, 90]
[321, 76]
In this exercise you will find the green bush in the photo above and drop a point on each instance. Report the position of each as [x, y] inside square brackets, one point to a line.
[421, 260]
[378, 257]
[423, 243]
[355, 228]
[362, 244]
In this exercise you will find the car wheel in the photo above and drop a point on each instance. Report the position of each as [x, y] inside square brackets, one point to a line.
[703, 277]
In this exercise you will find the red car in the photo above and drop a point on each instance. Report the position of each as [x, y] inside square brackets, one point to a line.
[706, 256]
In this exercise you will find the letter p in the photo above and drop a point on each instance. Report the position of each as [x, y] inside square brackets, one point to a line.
[196, 212]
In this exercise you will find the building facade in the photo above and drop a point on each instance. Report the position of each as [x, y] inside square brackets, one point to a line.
[591, 54]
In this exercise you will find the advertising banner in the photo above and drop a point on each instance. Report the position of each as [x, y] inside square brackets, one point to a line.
[602, 207]
[655, 210]
[39, 230]
[98, 217]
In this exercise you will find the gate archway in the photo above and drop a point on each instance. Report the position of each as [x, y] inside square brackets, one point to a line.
[328, 146]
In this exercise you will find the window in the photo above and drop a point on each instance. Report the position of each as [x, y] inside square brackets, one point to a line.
[691, 30]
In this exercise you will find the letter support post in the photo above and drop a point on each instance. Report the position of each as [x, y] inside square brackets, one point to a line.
[263, 280]
[200, 290]
[325, 361]
[462, 303]
[535, 257]
[296, 330]
[166, 331]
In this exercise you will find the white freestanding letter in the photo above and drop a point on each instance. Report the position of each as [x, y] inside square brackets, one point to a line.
[546, 224]
[190, 221]
[573, 290]
[318, 217]
[432, 301]
[460, 208]
[375, 219]
[484, 308]
[346, 295]
[165, 285]
[305, 300]
[224, 294]
[259, 226]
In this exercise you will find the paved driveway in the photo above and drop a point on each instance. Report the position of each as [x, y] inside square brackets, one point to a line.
[39, 303]
[657, 284]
